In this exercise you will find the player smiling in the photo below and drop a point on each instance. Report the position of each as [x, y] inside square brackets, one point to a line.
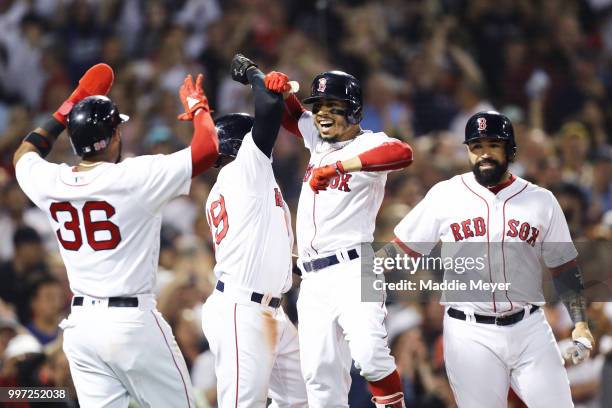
[341, 193]
[504, 336]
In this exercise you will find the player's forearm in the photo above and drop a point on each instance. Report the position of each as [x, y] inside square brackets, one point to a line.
[575, 303]
[388, 156]
[204, 144]
[568, 283]
[268, 112]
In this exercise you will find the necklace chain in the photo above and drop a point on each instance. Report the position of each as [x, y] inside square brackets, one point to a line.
[91, 164]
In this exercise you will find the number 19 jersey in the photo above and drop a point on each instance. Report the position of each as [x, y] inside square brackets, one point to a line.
[250, 224]
[107, 219]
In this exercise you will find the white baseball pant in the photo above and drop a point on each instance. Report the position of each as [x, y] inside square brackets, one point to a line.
[483, 360]
[118, 352]
[335, 326]
[256, 352]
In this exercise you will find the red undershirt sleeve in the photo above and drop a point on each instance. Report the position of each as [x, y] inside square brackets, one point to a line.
[291, 114]
[204, 144]
[388, 156]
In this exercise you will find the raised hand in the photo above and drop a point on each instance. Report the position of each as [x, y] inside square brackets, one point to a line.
[192, 97]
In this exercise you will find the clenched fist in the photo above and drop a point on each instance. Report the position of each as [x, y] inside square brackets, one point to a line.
[321, 176]
[277, 82]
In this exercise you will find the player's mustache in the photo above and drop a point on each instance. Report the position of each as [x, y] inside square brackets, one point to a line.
[489, 161]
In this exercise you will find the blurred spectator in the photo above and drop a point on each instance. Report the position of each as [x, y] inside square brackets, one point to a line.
[574, 144]
[82, 37]
[383, 111]
[168, 256]
[15, 212]
[47, 304]
[28, 260]
[8, 328]
[22, 358]
[574, 205]
[424, 67]
[424, 385]
[24, 61]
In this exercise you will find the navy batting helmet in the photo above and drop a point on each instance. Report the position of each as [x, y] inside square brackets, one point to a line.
[340, 86]
[491, 124]
[91, 124]
[231, 129]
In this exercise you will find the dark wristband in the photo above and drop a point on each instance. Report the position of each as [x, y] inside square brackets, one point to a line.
[43, 144]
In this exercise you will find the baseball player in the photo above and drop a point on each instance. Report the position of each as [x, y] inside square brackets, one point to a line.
[505, 337]
[341, 193]
[254, 343]
[107, 217]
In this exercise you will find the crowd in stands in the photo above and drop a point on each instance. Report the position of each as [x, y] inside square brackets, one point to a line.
[425, 67]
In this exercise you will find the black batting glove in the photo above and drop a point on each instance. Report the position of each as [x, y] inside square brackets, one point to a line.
[240, 65]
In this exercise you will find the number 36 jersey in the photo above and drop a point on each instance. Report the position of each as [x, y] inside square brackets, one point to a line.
[250, 224]
[107, 219]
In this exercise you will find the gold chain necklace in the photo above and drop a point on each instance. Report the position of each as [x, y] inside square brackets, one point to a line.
[92, 164]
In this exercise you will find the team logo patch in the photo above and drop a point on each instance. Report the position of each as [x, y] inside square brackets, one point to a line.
[99, 145]
[482, 123]
[322, 84]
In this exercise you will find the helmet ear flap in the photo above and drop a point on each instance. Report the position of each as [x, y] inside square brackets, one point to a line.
[511, 153]
[354, 115]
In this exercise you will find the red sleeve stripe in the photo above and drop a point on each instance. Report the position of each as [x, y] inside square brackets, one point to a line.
[406, 248]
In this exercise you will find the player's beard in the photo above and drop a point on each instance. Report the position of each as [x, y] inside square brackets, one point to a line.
[492, 176]
[333, 139]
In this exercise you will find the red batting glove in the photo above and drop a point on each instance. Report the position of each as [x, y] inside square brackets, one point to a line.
[321, 176]
[192, 97]
[277, 82]
[96, 81]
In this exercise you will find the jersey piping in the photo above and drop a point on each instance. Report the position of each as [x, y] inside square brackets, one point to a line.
[504, 239]
[488, 241]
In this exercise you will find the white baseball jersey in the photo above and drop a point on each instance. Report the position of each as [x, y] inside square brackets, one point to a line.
[107, 219]
[516, 227]
[344, 215]
[339, 218]
[250, 224]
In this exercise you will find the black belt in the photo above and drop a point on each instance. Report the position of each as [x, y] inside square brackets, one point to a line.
[112, 302]
[497, 320]
[255, 297]
[321, 263]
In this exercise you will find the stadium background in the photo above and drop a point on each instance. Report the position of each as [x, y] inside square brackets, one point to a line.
[425, 67]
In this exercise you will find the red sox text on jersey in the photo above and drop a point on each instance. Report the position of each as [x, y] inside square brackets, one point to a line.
[476, 227]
